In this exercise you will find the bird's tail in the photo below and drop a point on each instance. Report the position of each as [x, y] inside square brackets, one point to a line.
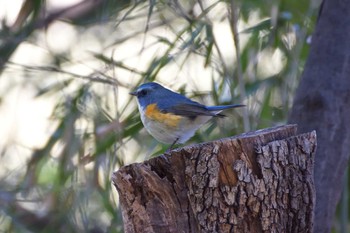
[218, 109]
[223, 107]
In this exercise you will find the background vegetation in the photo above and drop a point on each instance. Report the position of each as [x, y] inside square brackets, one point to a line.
[68, 121]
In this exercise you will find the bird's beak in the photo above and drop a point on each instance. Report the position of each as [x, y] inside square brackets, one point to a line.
[134, 93]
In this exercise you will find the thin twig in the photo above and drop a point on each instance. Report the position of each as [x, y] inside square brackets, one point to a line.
[233, 25]
[93, 77]
[216, 45]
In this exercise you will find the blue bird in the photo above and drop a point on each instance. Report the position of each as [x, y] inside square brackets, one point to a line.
[170, 117]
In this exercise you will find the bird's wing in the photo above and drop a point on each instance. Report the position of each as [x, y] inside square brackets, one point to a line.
[190, 110]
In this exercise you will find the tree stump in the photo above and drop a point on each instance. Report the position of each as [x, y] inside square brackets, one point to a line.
[256, 182]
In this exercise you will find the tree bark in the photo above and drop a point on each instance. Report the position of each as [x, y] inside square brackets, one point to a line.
[322, 103]
[256, 182]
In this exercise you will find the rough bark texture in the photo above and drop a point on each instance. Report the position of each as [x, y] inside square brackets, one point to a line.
[322, 103]
[256, 182]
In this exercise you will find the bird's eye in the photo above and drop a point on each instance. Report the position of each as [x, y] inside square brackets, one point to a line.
[143, 93]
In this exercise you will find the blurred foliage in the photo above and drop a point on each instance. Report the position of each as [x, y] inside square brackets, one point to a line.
[65, 185]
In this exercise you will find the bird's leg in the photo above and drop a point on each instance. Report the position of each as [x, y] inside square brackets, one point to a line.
[168, 150]
[172, 145]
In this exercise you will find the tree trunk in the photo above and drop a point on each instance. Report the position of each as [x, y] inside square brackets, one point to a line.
[322, 103]
[256, 182]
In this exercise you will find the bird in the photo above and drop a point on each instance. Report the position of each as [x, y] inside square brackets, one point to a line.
[170, 117]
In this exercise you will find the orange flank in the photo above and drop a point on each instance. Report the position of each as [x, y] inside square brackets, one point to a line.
[152, 112]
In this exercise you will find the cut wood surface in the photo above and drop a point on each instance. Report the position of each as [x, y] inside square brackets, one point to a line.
[260, 181]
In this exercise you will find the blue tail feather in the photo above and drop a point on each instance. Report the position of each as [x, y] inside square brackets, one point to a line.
[223, 107]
